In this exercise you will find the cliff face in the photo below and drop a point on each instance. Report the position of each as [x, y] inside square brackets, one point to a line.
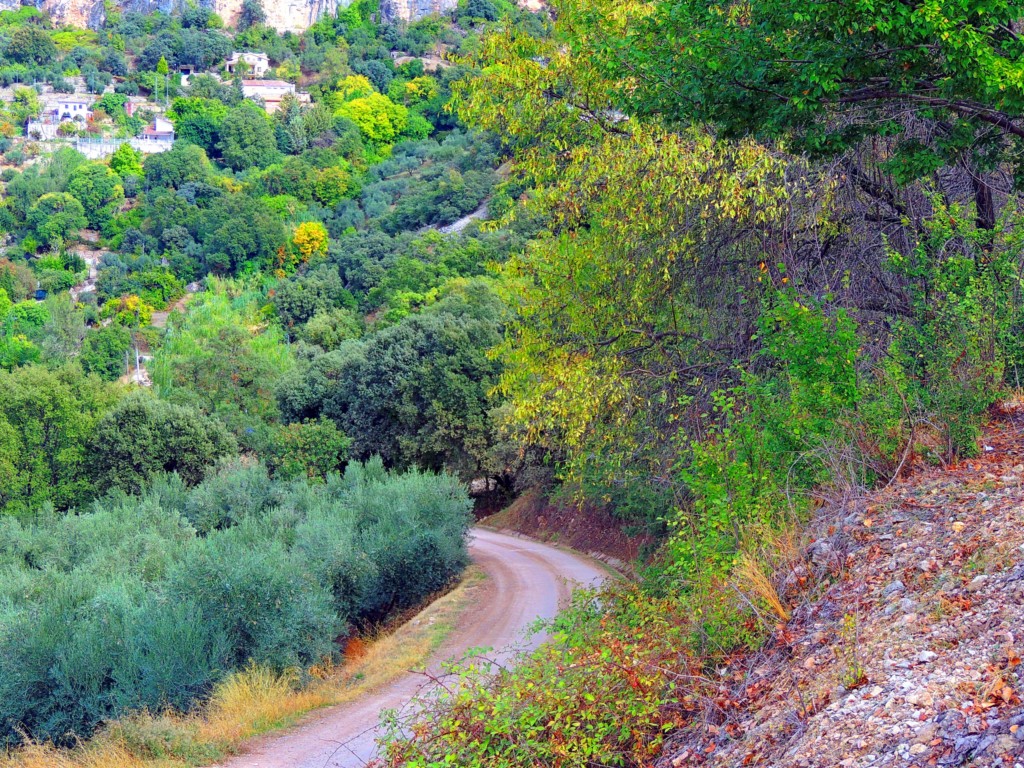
[411, 10]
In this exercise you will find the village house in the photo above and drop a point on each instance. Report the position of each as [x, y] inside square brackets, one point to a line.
[257, 63]
[161, 129]
[270, 93]
[71, 108]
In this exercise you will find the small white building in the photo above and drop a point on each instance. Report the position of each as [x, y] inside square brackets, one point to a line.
[71, 108]
[270, 92]
[161, 129]
[258, 64]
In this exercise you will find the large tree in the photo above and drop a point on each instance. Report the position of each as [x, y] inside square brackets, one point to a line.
[46, 421]
[945, 77]
[143, 436]
[56, 218]
[99, 190]
[415, 393]
[247, 138]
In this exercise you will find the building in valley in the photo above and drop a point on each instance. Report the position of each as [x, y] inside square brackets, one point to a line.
[71, 108]
[256, 64]
[161, 129]
[270, 93]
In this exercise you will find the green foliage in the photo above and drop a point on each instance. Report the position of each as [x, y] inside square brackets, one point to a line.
[962, 340]
[794, 66]
[311, 449]
[57, 217]
[103, 351]
[125, 606]
[143, 436]
[224, 357]
[126, 161]
[246, 138]
[415, 393]
[182, 164]
[380, 120]
[198, 120]
[99, 190]
[30, 44]
[46, 421]
[329, 328]
[608, 690]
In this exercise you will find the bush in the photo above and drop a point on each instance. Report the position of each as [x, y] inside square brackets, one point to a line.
[129, 605]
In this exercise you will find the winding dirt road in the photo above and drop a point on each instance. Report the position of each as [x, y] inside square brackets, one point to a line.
[526, 581]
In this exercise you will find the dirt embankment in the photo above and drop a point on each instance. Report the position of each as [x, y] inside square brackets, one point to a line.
[585, 530]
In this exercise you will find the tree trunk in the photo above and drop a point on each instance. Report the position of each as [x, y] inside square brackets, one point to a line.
[983, 201]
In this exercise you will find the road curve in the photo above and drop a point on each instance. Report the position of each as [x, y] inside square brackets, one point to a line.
[526, 581]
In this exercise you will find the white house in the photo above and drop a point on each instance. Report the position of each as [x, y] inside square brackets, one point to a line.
[72, 107]
[161, 129]
[270, 92]
[258, 63]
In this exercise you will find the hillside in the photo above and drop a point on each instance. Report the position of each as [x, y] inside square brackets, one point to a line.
[730, 293]
[281, 15]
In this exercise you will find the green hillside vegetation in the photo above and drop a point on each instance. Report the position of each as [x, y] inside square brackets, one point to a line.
[146, 601]
[253, 509]
[692, 268]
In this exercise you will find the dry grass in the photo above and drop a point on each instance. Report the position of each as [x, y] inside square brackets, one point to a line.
[750, 573]
[768, 555]
[256, 700]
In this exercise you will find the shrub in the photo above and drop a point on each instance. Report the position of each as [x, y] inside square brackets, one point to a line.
[129, 605]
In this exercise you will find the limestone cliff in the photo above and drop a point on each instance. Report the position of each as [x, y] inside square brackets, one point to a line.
[411, 10]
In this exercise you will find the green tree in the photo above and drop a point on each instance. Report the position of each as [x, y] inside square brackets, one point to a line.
[198, 120]
[310, 449]
[247, 138]
[328, 328]
[46, 420]
[825, 75]
[379, 119]
[182, 164]
[99, 190]
[64, 330]
[143, 436]
[415, 393]
[126, 161]
[26, 104]
[251, 15]
[30, 44]
[57, 217]
[482, 9]
[103, 351]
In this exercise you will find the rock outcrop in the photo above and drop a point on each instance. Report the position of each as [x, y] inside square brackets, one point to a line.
[411, 10]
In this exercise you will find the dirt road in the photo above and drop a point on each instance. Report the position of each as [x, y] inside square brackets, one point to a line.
[526, 581]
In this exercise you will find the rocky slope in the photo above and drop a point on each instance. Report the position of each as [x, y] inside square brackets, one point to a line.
[905, 644]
